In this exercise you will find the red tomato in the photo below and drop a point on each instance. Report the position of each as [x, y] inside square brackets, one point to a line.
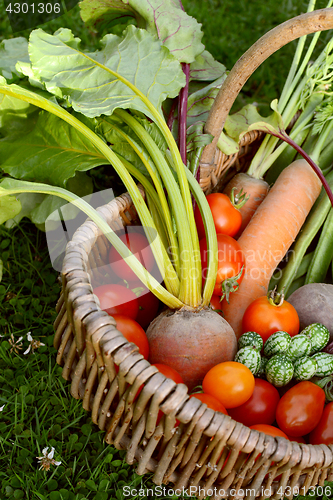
[139, 246]
[264, 317]
[117, 299]
[230, 262]
[260, 408]
[299, 410]
[169, 372]
[148, 303]
[174, 375]
[211, 402]
[323, 432]
[299, 439]
[227, 218]
[230, 382]
[269, 429]
[133, 332]
[216, 304]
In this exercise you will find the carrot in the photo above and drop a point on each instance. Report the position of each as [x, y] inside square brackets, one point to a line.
[256, 189]
[270, 233]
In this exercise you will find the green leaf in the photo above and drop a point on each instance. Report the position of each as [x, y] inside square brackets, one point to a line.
[9, 207]
[98, 14]
[90, 81]
[248, 118]
[51, 153]
[200, 102]
[206, 68]
[12, 109]
[28, 201]
[178, 31]
[227, 145]
[12, 51]
[196, 138]
[38, 207]
[26, 69]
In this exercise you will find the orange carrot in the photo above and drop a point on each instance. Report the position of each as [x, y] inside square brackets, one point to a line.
[270, 233]
[256, 189]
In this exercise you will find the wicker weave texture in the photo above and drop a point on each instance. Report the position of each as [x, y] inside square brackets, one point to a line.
[207, 450]
[225, 166]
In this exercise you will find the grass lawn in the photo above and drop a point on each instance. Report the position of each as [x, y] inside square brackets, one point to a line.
[36, 409]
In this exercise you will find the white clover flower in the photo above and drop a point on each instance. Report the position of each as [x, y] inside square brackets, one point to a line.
[47, 459]
[16, 344]
[34, 344]
[2, 407]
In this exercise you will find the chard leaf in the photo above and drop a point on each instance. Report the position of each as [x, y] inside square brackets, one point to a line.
[196, 138]
[98, 14]
[51, 153]
[37, 207]
[200, 102]
[29, 201]
[178, 31]
[9, 207]
[206, 68]
[12, 110]
[90, 81]
[11, 51]
[26, 69]
[166, 19]
[248, 118]
[227, 145]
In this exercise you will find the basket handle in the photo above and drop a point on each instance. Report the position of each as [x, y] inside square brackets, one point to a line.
[318, 20]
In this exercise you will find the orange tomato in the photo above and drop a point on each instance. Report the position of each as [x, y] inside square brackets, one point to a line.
[269, 429]
[211, 402]
[169, 372]
[230, 382]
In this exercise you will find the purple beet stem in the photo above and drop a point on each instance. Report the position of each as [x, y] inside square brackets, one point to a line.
[182, 114]
[312, 164]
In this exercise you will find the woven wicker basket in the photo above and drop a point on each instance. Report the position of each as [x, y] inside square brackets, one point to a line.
[208, 451]
[192, 454]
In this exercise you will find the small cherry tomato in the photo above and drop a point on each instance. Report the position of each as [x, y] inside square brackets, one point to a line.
[227, 218]
[210, 401]
[300, 409]
[216, 304]
[230, 382]
[117, 299]
[265, 317]
[323, 432]
[139, 246]
[169, 372]
[260, 408]
[269, 429]
[231, 262]
[133, 332]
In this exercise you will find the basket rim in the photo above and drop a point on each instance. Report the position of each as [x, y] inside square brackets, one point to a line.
[75, 259]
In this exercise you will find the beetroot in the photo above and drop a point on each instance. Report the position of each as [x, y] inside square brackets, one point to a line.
[191, 342]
